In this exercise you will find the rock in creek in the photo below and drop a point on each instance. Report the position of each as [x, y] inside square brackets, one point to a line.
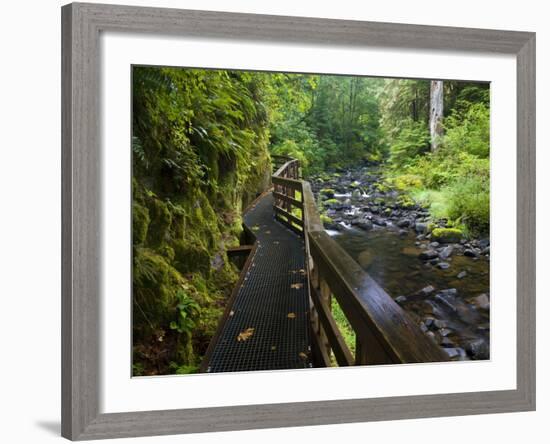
[427, 255]
[478, 349]
[364, 224]
[455, 353]
[462, 275]
[380, 221]
[421, 228]
[426, 290]
[446, 252]
[471, 253]
[400, 299]
[403, 223]
[482, 301]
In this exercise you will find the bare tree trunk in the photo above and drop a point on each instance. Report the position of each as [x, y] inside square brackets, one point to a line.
[436, 113]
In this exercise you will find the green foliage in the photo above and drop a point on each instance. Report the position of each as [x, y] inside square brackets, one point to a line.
[410, 142]
[454, 180]
[325, 121]
[188, 311]
[469, 131]
[343, 325]
[469, 202]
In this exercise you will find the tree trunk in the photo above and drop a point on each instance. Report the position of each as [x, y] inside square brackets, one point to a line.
[436, 113]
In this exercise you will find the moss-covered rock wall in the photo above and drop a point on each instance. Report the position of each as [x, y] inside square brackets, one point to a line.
[199, 157]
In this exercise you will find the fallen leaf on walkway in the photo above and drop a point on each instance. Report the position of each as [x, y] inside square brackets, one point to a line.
[268, 232]
[302, 355]
[301, 271]
[296, 286]
[245, 335]
[291, 315]
[273, 348]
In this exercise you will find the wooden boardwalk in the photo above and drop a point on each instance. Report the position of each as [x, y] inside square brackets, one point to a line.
[267, 325]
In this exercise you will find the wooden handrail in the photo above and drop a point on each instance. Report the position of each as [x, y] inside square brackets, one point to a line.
[384, 333]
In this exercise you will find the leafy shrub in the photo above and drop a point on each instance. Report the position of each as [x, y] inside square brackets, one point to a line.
[412, 140]
[470, 132]
[469, 202]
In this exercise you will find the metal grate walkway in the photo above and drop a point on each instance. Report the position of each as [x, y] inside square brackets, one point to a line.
[272, 301]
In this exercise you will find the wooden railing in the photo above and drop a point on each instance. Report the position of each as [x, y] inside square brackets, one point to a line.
[384, 333]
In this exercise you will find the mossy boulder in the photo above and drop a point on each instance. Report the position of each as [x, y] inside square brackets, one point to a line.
[328, 192]
[191, 255]
[326, 220]
[405, 202]
[381, 187]
[446, 235]
[330, 202]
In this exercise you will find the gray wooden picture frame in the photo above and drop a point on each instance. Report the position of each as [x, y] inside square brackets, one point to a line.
[81, 171]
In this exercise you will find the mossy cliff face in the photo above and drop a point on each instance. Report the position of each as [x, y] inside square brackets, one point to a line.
[199, 157]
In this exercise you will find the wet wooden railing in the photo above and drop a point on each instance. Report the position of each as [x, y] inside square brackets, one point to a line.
[384, 333]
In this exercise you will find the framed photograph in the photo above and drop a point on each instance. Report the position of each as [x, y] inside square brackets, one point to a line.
[278, 221]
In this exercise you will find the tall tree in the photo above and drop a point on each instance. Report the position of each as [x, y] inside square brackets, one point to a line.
[436, 113]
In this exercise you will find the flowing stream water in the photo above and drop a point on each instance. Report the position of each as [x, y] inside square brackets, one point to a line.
[447, 296]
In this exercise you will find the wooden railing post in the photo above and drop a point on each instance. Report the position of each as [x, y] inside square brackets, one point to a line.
[326, 299]
[360, 352]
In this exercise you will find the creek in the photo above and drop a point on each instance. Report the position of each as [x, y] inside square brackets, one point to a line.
[442, 284]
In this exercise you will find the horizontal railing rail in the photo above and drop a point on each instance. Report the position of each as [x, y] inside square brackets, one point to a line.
[288, 202]
[384, 333]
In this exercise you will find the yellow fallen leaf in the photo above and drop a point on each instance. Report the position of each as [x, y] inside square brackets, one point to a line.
[302, 355]
[245, 335]
[291, 315]
[273, 348]
[296, 286]
[301, 271]
[268, 232]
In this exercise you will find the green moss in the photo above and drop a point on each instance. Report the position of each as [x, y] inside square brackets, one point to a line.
[161, 218]
[191, 255]
[329, 192]
[406, 201]
[155, 285]
[325, 219]
[168, 252]
[140, 223]
[330, 202]
[447, 234]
